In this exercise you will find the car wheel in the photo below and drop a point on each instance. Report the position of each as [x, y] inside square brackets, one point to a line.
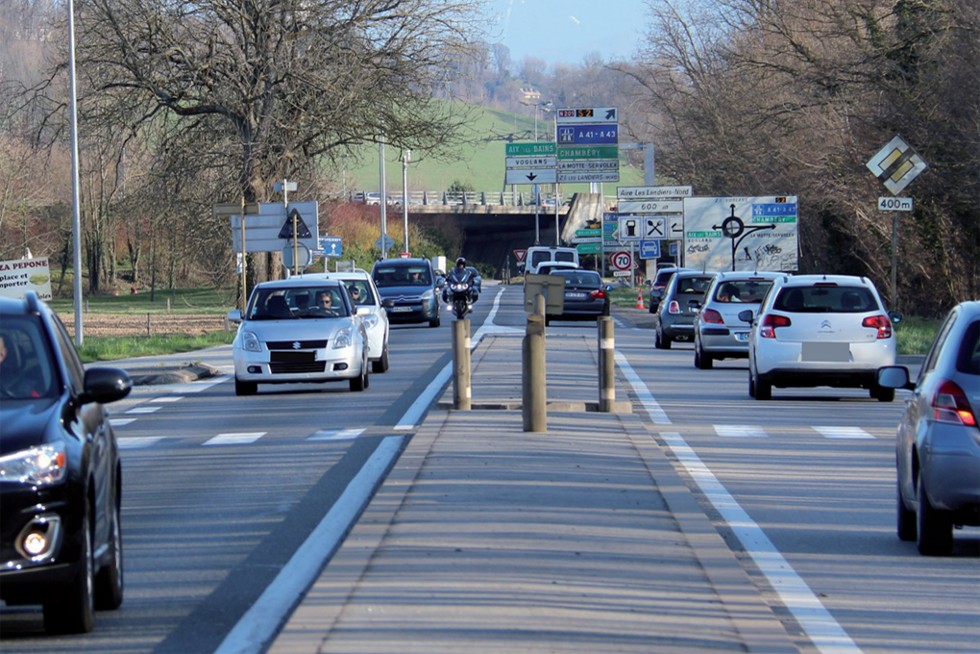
[935, 537]
[381, 365]
[245, 388]
[751, 385]
[882, 394]
[73, 611]
[763, 389]
[434, 322]
[701, 360]
[907, 529]
[109, 580]
[360, 382]
[660, 341]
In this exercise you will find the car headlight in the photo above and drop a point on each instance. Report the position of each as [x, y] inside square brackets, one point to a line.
[370, 320]
[38, 466]
[250, 342]
[344, 338]
[428, 294]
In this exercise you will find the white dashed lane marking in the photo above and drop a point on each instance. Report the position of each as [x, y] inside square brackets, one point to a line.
[240, 438]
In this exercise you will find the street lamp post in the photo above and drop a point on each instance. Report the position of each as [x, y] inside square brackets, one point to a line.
[406, 156]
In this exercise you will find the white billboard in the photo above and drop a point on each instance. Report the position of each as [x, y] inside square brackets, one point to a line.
[22, 275]
[742, 233]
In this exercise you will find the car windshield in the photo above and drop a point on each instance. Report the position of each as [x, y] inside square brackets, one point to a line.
[742, 290]
[402, 276]
[297, 302]
[825, 299]
[27, 370]
[360, 291]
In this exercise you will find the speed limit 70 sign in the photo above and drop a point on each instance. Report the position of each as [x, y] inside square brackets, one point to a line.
[621, 260]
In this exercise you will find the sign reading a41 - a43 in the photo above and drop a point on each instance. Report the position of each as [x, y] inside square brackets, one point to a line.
[588, 144]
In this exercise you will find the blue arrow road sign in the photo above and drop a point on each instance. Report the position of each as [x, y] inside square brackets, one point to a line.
[332, 246]
[650, 249]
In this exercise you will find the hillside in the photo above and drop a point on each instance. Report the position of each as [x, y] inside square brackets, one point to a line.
[480, 168]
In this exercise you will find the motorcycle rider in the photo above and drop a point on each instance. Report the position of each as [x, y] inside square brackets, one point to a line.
[457, 275]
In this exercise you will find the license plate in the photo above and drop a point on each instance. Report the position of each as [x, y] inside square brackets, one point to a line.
[574, 295]
[277, 356]
[835, 352]
[741, 337]
[401, 309]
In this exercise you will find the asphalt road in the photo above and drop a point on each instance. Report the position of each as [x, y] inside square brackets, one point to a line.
[220, 491]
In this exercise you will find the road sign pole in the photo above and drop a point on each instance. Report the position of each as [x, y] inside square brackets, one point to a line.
[557, 231]
[537, 214]
[244, 260]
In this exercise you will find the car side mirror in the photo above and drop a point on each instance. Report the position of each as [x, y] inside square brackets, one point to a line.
[895, 377]
[104, 385]
[895, 317]
[746, 316]
[363, 311]
[235, 316]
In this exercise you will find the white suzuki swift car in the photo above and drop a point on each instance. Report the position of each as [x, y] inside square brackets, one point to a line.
[820, 330]
[365, 295]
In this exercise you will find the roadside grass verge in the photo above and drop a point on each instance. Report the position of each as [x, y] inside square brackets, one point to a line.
[109, 348]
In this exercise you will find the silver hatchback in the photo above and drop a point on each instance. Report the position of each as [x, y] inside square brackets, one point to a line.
[719, 333]
[938, 440]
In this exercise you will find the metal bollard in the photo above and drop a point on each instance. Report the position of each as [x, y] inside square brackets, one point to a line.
[534, 386]
[462, 393]
[607, 364]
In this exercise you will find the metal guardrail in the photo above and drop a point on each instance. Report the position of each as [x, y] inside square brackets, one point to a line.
[450, 198]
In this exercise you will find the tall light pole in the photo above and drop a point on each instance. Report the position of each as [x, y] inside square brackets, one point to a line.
[384, 199]
[406, 157]
[76, 220]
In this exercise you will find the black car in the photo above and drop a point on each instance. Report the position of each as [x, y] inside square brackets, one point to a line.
[586, 296]
[60, 474]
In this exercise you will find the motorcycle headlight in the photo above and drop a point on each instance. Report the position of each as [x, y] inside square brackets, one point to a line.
[38, 466]
[250, 342]
[344, 338]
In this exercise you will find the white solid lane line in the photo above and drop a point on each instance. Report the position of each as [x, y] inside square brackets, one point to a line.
[813, 617]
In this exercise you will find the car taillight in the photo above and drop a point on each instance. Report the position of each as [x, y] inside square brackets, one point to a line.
[712, 316]
[674, 307]
[949, 404]
[598, 294]
[769, 324]
[881, 323]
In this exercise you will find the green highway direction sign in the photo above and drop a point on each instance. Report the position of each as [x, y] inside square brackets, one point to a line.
[541, 148]
[589, 248]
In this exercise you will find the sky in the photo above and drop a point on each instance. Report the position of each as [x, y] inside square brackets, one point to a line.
[565, 31]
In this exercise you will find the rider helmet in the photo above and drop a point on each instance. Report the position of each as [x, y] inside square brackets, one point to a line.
[461, 261]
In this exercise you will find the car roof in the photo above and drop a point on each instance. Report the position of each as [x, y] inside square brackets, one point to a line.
[729, 275]
[810, 280]
[297, 282]
[340, 274]
[408, 261]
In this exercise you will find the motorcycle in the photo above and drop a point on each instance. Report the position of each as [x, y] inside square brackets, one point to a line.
[460, 292]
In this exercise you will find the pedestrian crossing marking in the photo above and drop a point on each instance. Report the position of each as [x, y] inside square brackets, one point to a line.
[740, 431]
[144, 409]
[136, 443]
[336, 435]
[168, 398]
[119, 422]
[843, 432]
[240, 438]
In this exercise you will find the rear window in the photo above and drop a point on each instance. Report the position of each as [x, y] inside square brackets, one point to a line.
[825, 299]
[968, 358]
[579, 277]
[742, 290]
[693, 285]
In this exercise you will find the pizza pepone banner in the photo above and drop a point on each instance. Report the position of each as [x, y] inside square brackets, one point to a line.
[18, 277]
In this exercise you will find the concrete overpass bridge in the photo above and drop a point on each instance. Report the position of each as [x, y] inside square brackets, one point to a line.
[496, 224]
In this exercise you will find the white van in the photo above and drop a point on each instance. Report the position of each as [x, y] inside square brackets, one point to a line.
[539, 254]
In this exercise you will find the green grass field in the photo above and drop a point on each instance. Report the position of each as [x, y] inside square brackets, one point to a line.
[481, 168]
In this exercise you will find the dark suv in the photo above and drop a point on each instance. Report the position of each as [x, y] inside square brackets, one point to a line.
[60, 476]
[408, 290]
[681, 302]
